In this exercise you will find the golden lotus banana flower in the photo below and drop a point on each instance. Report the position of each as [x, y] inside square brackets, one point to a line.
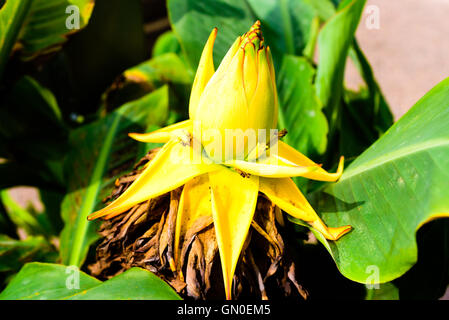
[240, 95]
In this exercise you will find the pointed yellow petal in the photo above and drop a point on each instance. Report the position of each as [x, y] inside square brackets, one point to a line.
[273, 82]
[250, 70]
[264, 94]
[195, 203]
[234, 200]
[286, 195]
[170, 169]
[330, 233]
[271, 167]
[223, 103]
[224, 64]
[203, 74]
[288, 156]
[164, 134]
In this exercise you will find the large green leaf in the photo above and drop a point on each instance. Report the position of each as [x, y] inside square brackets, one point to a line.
[193, 21]
[12, 15]
[286, 24]
[300, 111]
[43, 281]
[135, 284]
[334, 42]
[384, 291]
[392, 189]
[100, 152]
[37, 26]
[166, 43]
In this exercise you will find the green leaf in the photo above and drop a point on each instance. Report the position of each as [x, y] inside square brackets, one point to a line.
[325, 9]
[192, 21]
[135, 284]
[300, 110]
[390, 191]
[42, 281]
[37, 26]
[100, 152]
[286, 23]
[161, 70]
[12, 15]
[21, 217]
[334, 42]
[384, 291]
[15, 253]
[166, 43]
[165, 69]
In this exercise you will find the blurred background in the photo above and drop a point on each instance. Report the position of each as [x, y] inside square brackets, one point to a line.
[409, 52]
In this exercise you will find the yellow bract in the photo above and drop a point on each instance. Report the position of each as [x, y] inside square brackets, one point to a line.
[241, 94]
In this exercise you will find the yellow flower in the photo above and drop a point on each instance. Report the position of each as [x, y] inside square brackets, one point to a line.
[241, 94]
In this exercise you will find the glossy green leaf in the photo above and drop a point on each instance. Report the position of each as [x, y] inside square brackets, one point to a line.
[37, 26]
[12, 15]
[134, 284]
[160, 70]
[300, 112]
[100, 152]
[192, 21]
[166, 43]
[392, 189]
[325, 9]
[43, 281]
[286, 23]
[334, 42]
[384, 291]
[165, 69]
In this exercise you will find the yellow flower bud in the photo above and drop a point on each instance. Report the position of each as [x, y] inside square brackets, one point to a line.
[240, 97]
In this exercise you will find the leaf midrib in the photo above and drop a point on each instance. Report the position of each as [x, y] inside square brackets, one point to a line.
[94, 186]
